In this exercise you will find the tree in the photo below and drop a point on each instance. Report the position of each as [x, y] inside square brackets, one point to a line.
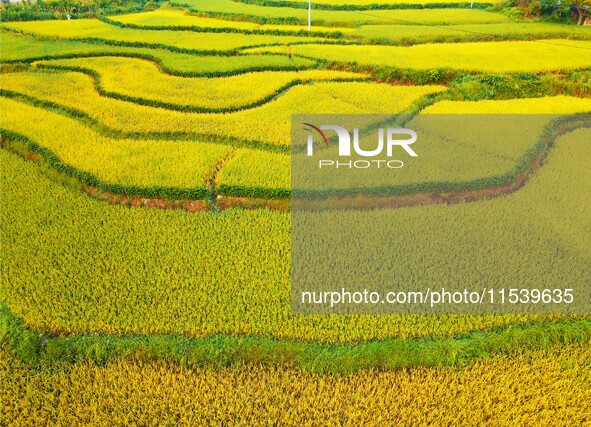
[581, 7]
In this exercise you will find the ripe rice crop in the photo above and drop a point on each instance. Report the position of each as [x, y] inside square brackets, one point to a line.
[391, 33]
[141, 80]
[255, 168]
[286, 15]
[548, 105]
[500, 391]
[494, 57]
[95, 30]
[138, 276]
[181, 18]
[148, 244]
[269, 123]
[185, 164]
[20, 47]
[371, 2]
[170, 291]
[139, 163]
[413, 34]
[472, 156]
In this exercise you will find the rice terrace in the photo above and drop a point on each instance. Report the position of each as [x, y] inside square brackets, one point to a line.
[147, 212]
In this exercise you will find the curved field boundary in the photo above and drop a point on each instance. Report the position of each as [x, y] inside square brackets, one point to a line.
[412, 76]
[87, 181]
[466, 190]
[197, 29]
[462, 36]
[258, 19]
[36, 347]
[376, 6]
[118, 134]
[96, 77]
[204, 52]
[440, 192]
[383, 73]
[189, 199]
[163, 67]
[428, 193]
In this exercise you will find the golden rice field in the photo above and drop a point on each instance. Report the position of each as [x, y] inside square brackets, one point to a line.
[531, 387]
[96, 30]
[171, 292]
[526, 56]
[394, 32]
[268, 123]
[20, 47]
[119, 76]
[229, 8]
[146, 231]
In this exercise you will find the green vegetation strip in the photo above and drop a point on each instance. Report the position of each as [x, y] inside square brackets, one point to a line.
[237, 11]
[372, 6]
[197, 29]
[22, 145]
[551, 132]
[139, 44]
[187, 108]
[18, 143]
[18, 49]
[171, 71]
[35, 347]
[114, 133]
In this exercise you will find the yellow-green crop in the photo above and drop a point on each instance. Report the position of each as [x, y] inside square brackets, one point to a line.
[543, 387]
[329, 17]
[269, 123]
[20, 47]
[394, 32]
[92, 29]
[113, 278]
[137, 78]
[496, 57]
[130, 162]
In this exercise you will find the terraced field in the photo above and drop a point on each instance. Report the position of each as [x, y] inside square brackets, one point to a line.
[182, 41]
[395, 32]
[541, 56]
[117, 77]
[123, 301]
[266, 125]
[176, 395]
[146, 177]
[270, 14]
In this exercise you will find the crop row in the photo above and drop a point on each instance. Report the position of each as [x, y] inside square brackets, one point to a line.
[423, 63]
[179, 169]
[20, 48]
[109, 273]
[174, 19]
[505, 389]
[474, 160]
[95, 31]
[496, 57]
[371, 4]
[268, 124]
[395, 33]
[231, 10]
[139, 167]
[142, 82]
